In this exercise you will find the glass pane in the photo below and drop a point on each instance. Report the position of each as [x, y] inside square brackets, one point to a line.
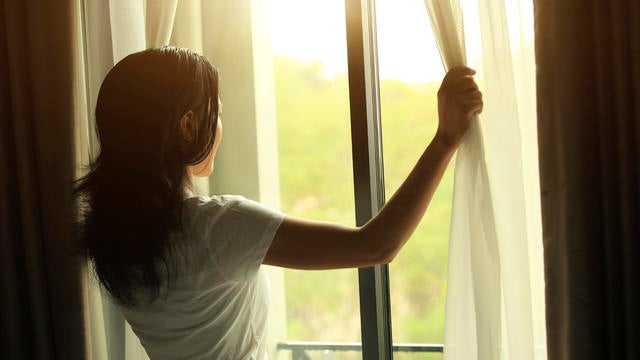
[314, 153]
[410, 73]
[321, 355]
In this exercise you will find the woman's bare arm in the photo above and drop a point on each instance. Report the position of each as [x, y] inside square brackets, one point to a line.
[306, 244]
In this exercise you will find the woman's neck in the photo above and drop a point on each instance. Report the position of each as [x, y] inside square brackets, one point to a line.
[189, 190]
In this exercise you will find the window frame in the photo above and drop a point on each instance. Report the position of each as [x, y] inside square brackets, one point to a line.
[368, 170]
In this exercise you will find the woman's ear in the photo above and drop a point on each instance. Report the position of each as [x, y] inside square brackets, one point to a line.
[187, 126]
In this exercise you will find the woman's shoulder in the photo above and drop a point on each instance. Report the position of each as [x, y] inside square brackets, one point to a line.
[202, 203]
[204, 217]
[208, 209]
[214, 207]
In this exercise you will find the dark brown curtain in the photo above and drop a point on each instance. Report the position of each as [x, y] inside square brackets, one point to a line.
[588, 63]
[40, 283]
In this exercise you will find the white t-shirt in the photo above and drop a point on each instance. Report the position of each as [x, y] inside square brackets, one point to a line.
[217, 307]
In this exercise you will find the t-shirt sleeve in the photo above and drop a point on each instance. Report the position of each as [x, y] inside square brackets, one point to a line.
[242, 235]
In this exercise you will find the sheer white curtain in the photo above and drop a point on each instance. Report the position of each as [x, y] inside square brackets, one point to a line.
[110, 31]
[495, 284]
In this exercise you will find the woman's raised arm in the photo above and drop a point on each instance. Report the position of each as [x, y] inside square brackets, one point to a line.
[306, 244]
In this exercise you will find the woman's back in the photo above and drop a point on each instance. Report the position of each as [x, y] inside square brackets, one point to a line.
[217, 305]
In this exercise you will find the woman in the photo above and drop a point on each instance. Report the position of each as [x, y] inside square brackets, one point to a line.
[186, 270]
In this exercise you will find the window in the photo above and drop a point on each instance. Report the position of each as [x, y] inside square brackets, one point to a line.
[305, 73]
[315, 132]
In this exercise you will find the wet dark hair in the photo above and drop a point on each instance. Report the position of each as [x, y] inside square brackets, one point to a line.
[130, 202]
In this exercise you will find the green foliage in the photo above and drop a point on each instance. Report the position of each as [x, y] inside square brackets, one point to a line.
[316, 182]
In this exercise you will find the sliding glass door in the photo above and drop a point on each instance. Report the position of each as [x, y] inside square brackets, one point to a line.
[332, 105]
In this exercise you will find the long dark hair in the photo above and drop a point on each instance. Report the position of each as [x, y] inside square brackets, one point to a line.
[131, 200]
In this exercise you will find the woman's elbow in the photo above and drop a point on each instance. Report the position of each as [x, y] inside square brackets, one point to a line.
[386, 256]
[378, 249]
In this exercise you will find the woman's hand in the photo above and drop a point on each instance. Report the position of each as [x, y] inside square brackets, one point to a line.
[459, 100]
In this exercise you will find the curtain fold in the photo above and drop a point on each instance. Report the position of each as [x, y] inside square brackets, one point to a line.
[187, 27]
[473, 317]
[127, 26]
[41, 298]
[159, 17]
[495, 304]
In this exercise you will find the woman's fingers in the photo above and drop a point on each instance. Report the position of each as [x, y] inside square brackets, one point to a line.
[459, 85]
[467, 97]
[473, 107]
[459, 71]
[472, 94]
[456, 74]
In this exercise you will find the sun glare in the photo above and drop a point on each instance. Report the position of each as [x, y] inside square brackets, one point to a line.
[315, 31]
